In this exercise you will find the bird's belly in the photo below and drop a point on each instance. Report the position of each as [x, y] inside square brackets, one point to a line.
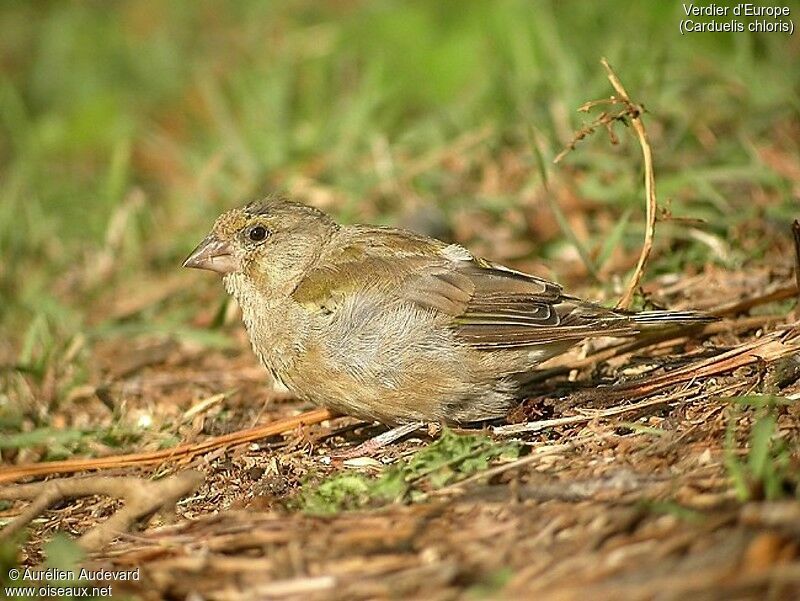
[382, 389]
[398, 365]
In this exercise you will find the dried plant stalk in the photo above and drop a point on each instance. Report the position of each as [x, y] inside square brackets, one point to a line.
[141, 498]
[649, 188]
[632, 112]
[185, 451]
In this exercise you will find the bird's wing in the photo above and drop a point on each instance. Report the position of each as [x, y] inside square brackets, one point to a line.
[488, 305]
[497, 308]
[366, 258]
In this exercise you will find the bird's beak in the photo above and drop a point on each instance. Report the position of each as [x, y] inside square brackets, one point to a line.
[212, 254]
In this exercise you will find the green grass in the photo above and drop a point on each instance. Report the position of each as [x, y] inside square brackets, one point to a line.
[448, 459]
[125, 128]
[767, 470]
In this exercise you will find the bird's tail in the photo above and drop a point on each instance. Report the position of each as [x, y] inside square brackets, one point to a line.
[664, 319]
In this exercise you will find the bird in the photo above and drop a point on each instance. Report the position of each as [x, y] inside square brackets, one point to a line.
[387, 325]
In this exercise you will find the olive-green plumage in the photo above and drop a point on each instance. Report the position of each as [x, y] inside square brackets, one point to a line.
[391, 326]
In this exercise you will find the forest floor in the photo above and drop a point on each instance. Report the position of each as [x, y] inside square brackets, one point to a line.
[662, 469]
[658, 469]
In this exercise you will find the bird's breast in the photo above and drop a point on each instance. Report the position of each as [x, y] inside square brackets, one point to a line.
[277, 327]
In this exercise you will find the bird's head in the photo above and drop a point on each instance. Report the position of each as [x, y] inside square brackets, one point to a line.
[269, 242]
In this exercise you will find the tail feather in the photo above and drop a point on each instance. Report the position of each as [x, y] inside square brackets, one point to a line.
[655, 319]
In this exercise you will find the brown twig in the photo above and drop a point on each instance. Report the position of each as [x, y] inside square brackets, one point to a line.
[605, 119]
[632, 112]
[142, 498]
[768, 348]
[670, 339]
[738, 306]
[185, 451]
[649, 188]
[796, 236]
[535, 426]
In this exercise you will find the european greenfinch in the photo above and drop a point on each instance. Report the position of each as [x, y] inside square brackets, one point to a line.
[387, 325]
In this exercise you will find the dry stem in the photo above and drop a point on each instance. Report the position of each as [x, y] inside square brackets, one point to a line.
[142, 498]
[768, 348]
[632, 111]
[796, 236]
[649, 188]
[185, 451]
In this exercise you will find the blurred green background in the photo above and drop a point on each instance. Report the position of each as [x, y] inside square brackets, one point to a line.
[126, 127]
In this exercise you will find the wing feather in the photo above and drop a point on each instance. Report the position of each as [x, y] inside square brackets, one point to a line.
[488, 305]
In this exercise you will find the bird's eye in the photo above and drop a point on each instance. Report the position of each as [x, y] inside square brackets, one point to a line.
[257, 233]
